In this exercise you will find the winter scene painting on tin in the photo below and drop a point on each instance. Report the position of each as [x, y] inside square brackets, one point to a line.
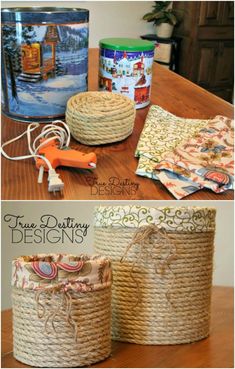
[44, 67]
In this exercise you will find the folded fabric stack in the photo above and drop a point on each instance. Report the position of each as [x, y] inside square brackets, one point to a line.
[186, 154]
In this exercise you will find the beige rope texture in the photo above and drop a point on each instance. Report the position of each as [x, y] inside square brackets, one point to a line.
[142, 237]
[183, 316]
[40, 344]
[57, 307]
[96, 118]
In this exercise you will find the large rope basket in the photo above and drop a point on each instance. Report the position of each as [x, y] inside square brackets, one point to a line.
[96, 118]
[162, 261]
[61, 310]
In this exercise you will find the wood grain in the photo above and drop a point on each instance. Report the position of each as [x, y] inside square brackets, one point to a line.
[169, 90]
[216, 351]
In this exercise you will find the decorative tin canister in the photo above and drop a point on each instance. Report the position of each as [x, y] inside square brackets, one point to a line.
[162, 262]
[44, 60]
[126, 68]
[61, 310]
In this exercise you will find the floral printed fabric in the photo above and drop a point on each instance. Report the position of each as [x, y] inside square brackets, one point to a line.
[205, 160]
[162, 132]
[172, 219]
[186, 154]
[65, 272]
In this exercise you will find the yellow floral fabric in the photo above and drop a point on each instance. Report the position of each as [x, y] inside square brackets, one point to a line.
[166, 139]
[205, 160]
[162, 132]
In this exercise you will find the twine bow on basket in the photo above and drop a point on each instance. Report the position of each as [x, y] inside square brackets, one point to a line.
[144, 238]
[56, 308]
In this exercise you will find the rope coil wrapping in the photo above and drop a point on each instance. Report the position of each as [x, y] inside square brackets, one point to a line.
[57, 347]
[60, 326]
[162, 280]
[142, 237]
[96, 118]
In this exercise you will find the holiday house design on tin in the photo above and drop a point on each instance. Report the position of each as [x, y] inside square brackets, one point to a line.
[138, 69]
[39, 59]
[126, 73]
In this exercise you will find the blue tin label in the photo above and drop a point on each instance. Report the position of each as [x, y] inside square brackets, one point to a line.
[44, 65]
[127, 73]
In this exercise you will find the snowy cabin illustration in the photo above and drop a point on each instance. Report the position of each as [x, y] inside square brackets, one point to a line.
[38, 60]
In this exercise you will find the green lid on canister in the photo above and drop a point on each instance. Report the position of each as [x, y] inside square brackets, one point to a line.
[126, 44]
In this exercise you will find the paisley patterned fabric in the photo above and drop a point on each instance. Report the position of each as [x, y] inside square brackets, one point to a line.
[186, 155]
[162, 132]
[72, 266]
[172, 219]
[44, 269]
[78, 273]
[205, 160]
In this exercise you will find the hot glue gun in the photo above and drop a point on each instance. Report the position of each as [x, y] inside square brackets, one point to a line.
[50, 149]
[64, 157]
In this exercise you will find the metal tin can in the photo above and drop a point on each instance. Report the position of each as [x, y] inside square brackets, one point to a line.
[44, 60]
[126, 68]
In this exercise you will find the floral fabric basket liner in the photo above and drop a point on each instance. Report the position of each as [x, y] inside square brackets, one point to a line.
[65, 272]
[171, 219]
[61, 310]
[164, 133]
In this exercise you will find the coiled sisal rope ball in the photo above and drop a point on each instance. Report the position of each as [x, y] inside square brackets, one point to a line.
[96, 118]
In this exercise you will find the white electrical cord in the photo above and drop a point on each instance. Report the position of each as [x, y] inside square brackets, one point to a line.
[49, 133]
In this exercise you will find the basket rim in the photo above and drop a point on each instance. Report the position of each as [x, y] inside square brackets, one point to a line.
[171, 218]
[42, 272]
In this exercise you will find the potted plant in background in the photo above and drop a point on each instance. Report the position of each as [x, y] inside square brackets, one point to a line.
[164, 18]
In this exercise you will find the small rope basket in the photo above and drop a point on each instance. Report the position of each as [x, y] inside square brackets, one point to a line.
[96, 118]
[162, 262]
[63, 321]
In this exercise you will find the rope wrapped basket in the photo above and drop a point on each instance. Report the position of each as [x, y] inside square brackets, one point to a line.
[61, 310]
[162, 262]
[96, 118]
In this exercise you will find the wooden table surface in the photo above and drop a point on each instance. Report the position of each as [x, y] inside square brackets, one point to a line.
[216, 351]
[170, 91]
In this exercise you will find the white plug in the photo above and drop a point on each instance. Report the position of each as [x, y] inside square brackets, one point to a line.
[55, 184]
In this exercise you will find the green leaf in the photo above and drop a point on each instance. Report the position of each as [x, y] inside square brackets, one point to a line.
[160, 21]
[152, 16]
[171, 18]
[161, 13]
[147, 16]
[161, 5]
